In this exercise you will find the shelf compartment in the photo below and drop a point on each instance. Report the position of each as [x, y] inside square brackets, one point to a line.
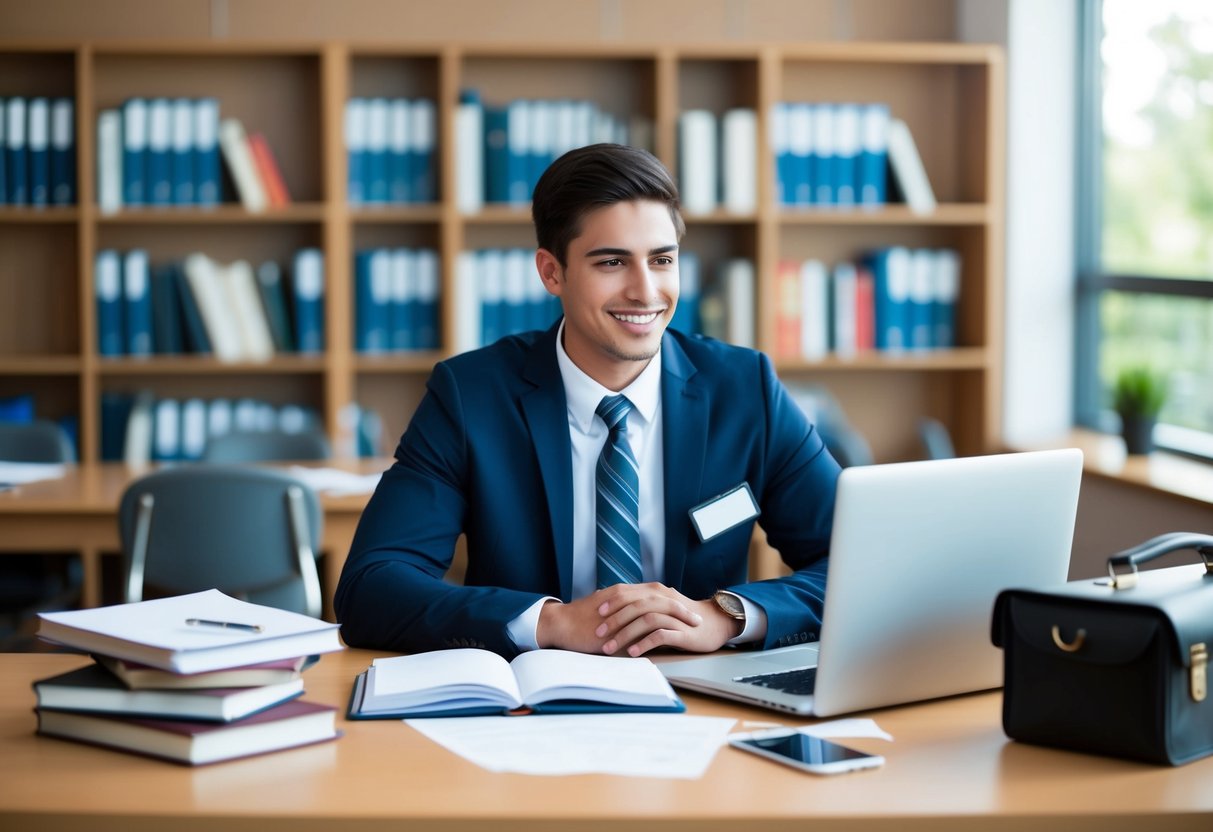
[157, 365]
[227, 214]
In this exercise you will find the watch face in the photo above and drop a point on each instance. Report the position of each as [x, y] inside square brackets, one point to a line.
[730, 604]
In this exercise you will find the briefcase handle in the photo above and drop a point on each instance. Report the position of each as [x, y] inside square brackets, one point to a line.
[1155, 547]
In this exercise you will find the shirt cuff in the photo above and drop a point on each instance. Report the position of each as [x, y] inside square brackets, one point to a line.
[755, 627]
[524, 630]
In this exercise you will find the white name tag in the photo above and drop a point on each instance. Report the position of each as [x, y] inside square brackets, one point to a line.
[719, 514]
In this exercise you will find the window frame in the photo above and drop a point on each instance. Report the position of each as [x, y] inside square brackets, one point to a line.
[1092, 281]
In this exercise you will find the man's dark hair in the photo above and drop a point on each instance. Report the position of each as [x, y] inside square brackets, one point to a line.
[593, 177]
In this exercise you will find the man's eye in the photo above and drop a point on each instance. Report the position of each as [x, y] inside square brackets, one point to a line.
[614, 261]
[663, 261]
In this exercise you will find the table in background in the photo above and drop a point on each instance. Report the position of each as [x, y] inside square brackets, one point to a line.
[949, 768]
[78, 513]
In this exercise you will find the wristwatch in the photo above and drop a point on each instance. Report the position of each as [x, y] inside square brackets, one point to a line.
[730, 604]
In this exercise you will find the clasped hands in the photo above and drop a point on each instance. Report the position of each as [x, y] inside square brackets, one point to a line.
[632, 619]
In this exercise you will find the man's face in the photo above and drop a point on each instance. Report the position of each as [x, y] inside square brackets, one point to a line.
[618, 290]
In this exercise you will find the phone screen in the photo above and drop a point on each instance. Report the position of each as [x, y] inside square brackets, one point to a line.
[805, 749]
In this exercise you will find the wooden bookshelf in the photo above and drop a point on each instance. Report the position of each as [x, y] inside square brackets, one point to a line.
[951, 95]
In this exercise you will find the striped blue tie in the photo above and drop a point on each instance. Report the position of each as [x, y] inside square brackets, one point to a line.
[618, 502]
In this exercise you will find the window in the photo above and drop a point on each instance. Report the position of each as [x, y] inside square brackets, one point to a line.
[1146, 210]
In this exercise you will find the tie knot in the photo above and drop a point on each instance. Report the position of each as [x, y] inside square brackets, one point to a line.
[614, 411]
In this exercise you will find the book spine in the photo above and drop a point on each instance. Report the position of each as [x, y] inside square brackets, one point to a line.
[375, 173]
[239, 158]
[739, 153]
[38, 140]
[399, 154]
[158, 188]
[3, 152]
[183, 152]
[699, 161]
[908, 169]
[166, 312]
[134, 152]
[922, 288]
[814, 310]
[847, 127]
[468, 305]
[428, 280]
[193, 429]
[800, 139]
[355, 130]
[873, 155]
[490, 267]
[107, 283]
[823, 160]
[518, 147]
[63, 152]
[402, 325]
[138, 303]
[788, 308]
[207, 179]
[496, 155]
[309, 300]
[844, 309]
[15, 152]
[423, 128]
[268, 171]
[273, 300]
[469, 153]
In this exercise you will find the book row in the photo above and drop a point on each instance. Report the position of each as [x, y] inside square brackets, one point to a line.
[842, 155]
[138, 427]
[142, 696]
[166, 152]
[500, 294]
[199, 305]
[396, 300]
[389, 147]
[501, 151]
[719, 304]
[37, 151]
[893, 299]
[717, 161]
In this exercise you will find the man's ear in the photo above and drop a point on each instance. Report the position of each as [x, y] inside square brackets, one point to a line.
[550, 271]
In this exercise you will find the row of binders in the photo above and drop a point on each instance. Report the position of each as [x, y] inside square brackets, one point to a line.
[193, 679]
[37, 151]
[389, 147]
[166, 152]
[893, 300]
[199, 305]
[841, 155]
[140, 428]
[396, 300]
[717, 168]
[500, 294]
[501, 151]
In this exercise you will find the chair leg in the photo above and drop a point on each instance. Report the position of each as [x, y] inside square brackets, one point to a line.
[138, 557]
[304, 553]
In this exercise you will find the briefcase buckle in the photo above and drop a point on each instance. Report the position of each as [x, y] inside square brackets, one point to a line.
[1199, 671]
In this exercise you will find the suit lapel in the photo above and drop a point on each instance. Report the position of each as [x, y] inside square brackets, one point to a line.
[546, 412]
[684, 435]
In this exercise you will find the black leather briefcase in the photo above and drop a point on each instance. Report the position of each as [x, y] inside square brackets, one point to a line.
[1118, 665]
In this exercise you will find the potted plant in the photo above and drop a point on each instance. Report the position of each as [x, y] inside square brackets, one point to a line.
[1138, 396]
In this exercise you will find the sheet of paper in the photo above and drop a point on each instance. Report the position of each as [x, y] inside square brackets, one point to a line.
[633, 745]
[334, 481]
[20, 473]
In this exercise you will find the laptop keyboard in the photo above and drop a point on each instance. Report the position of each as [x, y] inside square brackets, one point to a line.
[799, 681]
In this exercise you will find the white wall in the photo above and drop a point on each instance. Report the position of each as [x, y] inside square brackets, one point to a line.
[1041, 40]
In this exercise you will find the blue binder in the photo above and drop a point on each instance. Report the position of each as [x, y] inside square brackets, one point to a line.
[308, 285]
[183, 152]
[63, 152]
[158, 189]
[208, 190]
[137, 294]
[38, 140]
[134, 152]
[15, 153]
[107, 289]
[496, 155]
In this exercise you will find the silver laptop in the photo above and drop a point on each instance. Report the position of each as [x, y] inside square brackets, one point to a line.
[918, 554]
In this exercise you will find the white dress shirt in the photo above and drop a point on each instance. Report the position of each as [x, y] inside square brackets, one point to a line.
[588, 433]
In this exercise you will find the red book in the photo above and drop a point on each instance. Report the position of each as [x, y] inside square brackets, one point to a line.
[787, 309]
[268, 171]
[865, 309]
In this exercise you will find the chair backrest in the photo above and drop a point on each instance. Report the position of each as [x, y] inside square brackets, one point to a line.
[936, 440]
[37, 441]
[842, 440]
[246, 531]
[267, 446]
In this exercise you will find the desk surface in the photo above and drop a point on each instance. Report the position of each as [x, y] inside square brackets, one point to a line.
[950, 767]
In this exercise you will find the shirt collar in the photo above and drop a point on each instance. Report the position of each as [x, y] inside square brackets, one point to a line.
[583, 393]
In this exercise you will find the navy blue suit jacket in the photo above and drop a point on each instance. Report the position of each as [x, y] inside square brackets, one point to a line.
[488, 454]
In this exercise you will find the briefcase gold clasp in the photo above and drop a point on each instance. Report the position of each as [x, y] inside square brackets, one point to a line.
[1199, 672]
[1069, 646]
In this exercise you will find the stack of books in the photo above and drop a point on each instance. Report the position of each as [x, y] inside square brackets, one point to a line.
[194, 679]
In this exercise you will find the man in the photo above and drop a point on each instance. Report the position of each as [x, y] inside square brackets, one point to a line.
[575, 499]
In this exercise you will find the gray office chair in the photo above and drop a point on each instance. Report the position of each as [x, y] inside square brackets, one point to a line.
[267, 446]
[936, 440]
[248, 532]
[34, 583]
[37, 441]
[842, 440]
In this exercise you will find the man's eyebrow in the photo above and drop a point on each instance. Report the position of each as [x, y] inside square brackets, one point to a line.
[623, 252]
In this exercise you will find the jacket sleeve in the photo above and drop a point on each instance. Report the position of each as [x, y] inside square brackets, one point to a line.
[391, 595]
[797, 503]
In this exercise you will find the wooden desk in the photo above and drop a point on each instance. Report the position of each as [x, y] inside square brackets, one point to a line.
[950, 768]
[78, 514]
